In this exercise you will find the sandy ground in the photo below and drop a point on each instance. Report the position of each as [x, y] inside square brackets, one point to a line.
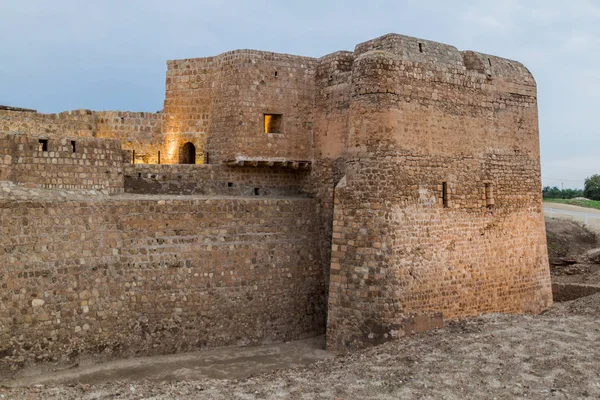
[555, 355]
[574, 252]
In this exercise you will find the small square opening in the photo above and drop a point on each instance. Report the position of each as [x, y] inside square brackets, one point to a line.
[73, 144]
[256, 191]
[43, 145]
[273, 123]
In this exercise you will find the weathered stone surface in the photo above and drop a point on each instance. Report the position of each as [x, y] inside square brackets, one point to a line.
[401, 187]
[130, 275]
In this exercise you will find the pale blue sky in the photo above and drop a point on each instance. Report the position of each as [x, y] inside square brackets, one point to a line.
[110, 54]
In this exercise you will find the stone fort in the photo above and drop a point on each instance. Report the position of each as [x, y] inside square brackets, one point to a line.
[366, 195]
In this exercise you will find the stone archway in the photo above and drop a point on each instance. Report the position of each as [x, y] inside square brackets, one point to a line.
[187, 153]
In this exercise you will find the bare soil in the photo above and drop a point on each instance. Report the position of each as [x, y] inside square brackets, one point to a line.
[573, 251]
[554, 355]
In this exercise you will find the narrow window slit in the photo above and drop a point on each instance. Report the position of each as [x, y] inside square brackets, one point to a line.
[420, 47]
[73, 146]
[445, 194]
[489, 195]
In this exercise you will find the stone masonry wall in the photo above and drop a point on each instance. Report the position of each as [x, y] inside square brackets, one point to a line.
[425, 116]
[224, 99]
[79, 123]
[68, 162]
[211, 179]
[107, 278]
[139, 131]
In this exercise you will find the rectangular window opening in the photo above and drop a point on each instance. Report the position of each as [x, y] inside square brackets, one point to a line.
[445, 194]
[229, 184]
[73, 148]
[273, 123]
[43, 145]
[489, 195]
[256, 191]
[420, 47]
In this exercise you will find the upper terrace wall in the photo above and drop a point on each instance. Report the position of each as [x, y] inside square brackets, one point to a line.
[66, 163]
[80, 123]
[214, 179]
[139, 131]
[225, 98]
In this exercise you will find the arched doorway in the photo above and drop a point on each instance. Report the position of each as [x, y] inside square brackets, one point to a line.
[187, 154]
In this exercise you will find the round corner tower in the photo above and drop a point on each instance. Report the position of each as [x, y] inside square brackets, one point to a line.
[440, 213]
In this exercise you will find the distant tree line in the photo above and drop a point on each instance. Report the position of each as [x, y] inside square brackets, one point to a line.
[556, 193]
[591, 190]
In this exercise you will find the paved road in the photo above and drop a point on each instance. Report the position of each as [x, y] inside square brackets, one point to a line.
[588, 216]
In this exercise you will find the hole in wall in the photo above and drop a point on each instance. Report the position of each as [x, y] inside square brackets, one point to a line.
[489, 196]
[139, 174]
[420, 47]
[490, 62]
[256, 191]
[43, 145]
[73, 146]
[229, 184]
[445, 194]
[187, 153]
[275, 74]
[273, 123]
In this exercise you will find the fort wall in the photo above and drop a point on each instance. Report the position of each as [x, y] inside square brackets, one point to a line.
[62, 163]
[439, 216]
[78, 123]
[145, 275]
[137, 131]
[227, 97]
[417, 200]
[214, 179]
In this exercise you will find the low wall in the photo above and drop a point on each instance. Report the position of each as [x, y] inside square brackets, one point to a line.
[571, 291]
[78, 123]
[213, 179]
[64, 163]
[118, 276]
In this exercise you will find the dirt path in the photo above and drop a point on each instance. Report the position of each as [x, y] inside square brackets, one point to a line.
[224, 363]
[503, 357]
